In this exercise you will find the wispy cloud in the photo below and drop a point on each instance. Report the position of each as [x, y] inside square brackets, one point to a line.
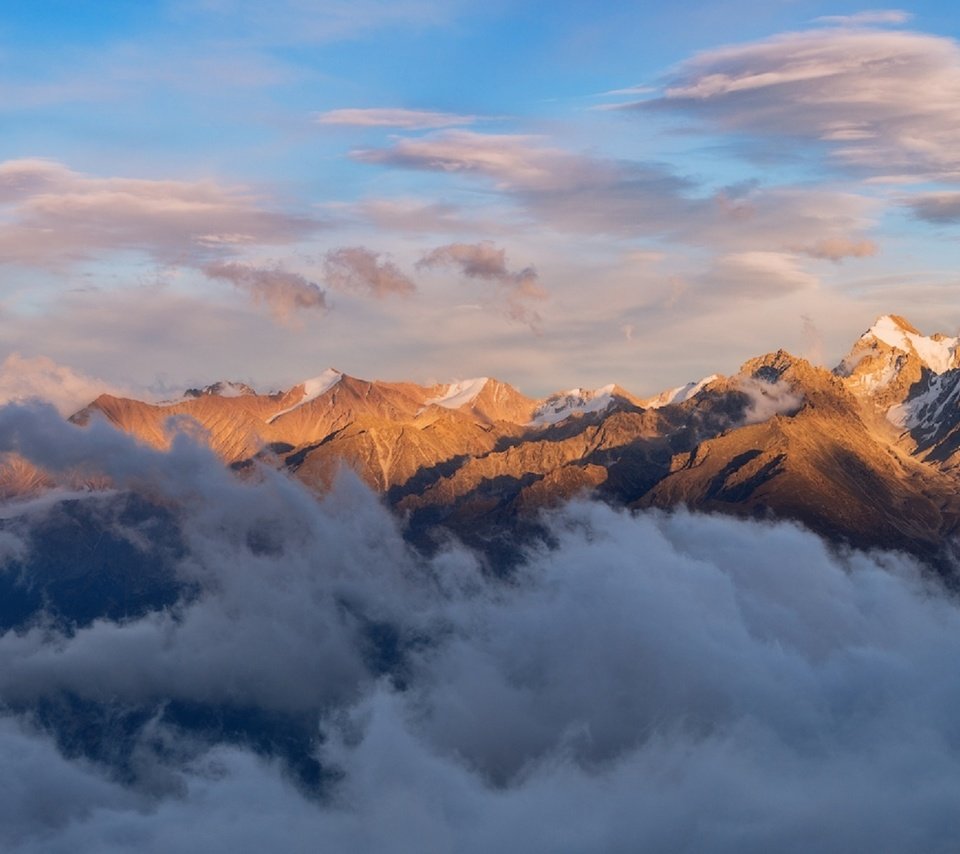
[360, 270]
[758, 275]
[486, 262]
[394, 118]
[285, 294]
[836, 249]
[413, 215]
[586, 194]
[51, 216]
[876, 101]
[867, 18]
[938, 207]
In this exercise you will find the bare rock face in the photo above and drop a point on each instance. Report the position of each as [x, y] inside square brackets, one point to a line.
[822, 465]
[867, 454]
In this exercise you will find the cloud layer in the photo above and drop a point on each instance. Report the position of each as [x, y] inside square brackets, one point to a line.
[653, 681]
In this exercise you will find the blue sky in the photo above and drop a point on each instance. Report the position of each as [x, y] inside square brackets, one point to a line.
[554, 193]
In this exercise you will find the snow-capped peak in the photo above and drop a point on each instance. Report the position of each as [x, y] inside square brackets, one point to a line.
[937, 352]
[678, 394]
[312, 389]
[459, 393]
[576, 401]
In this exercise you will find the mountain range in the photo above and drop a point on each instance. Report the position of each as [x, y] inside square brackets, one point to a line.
[866, 454]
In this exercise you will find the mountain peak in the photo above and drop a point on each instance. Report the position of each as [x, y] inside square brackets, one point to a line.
[937, 352]
[460, 393]
[221, 388]
[888, 322]
[312, 389]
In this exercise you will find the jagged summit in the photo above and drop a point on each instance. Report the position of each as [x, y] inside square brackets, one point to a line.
[221, 388]
[892, 359]
[678, 394]
[308, 390]
[892, 322]
[937, 352]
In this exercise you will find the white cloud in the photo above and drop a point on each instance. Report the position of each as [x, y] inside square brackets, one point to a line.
[40, 378]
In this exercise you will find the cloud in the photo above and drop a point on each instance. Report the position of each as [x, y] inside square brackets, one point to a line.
[837, 248]
[729, 680]
[939, 208]
[569, 191]
[487, 262]
[360, 270]
[39, 378]
[51, 216]
[513, 159]
[286, 294]
[417, 216]
[768, 399]
[394, 118]
[585, 194]
[867, 18]
[756, 275]
[854, 92]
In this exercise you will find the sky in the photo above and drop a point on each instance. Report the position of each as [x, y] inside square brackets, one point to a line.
[557, 193]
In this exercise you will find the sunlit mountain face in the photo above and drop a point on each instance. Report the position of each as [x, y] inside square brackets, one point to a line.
[444, 426]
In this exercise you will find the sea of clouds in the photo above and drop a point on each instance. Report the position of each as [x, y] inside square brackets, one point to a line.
[654, 682]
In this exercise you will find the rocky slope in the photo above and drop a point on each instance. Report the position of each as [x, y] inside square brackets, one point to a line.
[867, 454]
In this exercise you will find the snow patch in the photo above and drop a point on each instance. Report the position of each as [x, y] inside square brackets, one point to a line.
[936, 353]
[576, 401]
[459, 393]
[927, 408]
[678, 394]
[312, 389]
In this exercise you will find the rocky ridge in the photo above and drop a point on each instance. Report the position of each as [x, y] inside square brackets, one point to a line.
[866, 454]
